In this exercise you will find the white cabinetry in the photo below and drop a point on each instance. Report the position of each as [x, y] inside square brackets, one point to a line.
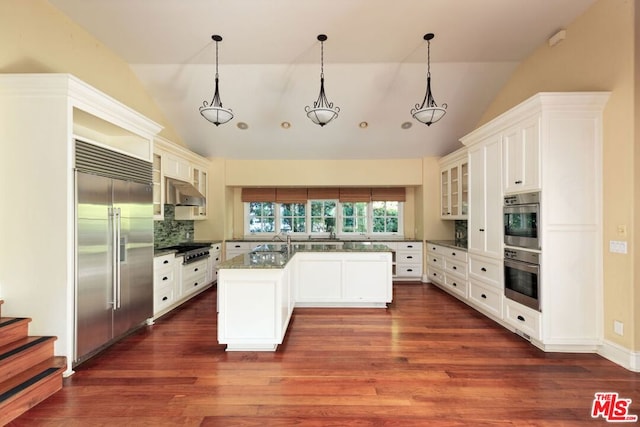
[408, 260]
[165, 280]
[486, 284]
[254, 308]
[343, 279]
[485, 233]
[521, 156]
[199, 179]
[176, 162]
[176, 167]
[447, 268]
[194, 277]
[551, 143]
[454, 185]
[42, 116]
[215, 258]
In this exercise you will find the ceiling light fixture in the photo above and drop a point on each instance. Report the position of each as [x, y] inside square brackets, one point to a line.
[428, 112]
[214, 112]
[323, 111]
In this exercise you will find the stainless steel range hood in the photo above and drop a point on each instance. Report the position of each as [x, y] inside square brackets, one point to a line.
[182, 193]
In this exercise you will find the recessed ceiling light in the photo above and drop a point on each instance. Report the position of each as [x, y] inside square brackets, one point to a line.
[242, 125]
[285, 125]
[363, 125]
[406, 125]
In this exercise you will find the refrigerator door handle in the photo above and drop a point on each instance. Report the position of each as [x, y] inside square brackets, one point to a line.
[118, 254]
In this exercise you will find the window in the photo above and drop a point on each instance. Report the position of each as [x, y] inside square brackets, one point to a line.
[354, 217]
[323, 216]
[262, 217]
[293, 217]
[385, 217]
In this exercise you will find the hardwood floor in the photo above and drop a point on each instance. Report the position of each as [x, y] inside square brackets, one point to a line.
[426, 360]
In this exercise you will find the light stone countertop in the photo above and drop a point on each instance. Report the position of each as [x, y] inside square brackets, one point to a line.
[270, 256]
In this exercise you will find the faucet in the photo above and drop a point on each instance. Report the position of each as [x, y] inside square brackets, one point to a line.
[288, 243]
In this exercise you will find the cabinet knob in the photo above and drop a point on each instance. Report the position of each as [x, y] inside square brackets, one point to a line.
[518, 182]
[483, 296]
[453, 254]
[454, 284]
[165, 298]
[520, 318]
[409, 269]
[195, 284]
[482, 229]
[454, 267]
[166, 261]
[165, 278]
[410, 257]
[195, 269]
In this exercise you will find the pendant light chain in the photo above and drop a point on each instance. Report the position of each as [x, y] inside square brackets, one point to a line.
[322, 59]
[216, 59]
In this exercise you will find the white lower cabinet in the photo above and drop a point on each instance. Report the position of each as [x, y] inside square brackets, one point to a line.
[164, 282]
[525, 320]
[194, 277]
[447, 268]
[343, 279]
[408, 260]
[485, 298]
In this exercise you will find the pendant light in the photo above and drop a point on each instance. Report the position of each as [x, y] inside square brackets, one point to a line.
[323, 111]
[428, 112]
[214, 112]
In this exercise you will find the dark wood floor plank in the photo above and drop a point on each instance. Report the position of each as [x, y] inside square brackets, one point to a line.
[426, 360]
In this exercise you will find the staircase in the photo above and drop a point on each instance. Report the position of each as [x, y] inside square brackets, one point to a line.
[29, 372]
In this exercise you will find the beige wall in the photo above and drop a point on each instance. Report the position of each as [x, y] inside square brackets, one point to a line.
[36, 38]
[598, 54]
[390, 172]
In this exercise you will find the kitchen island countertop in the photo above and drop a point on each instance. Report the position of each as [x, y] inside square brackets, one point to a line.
[270, 256]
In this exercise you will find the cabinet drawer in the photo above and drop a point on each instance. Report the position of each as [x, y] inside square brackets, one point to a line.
[194, 269]
[193, 283]
[455, 267]
[435, 275]
[456, 254]
[487, 298]
[408, 257]
[488, 270]
[164, 261]
[436, 249]
[409, 246]
[436, 261]
[162, 298]
[409, 270]
[522, 318]
[164, 277]
[456, 285]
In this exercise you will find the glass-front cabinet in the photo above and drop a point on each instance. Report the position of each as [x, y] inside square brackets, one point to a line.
[454, 186]
[158, 187]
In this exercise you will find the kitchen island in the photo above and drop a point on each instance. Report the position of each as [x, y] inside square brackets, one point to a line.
[258, 291]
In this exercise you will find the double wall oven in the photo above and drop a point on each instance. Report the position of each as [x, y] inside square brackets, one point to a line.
[521, 255]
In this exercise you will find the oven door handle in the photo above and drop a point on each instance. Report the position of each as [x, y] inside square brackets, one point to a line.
[524, 266]
[521, 209]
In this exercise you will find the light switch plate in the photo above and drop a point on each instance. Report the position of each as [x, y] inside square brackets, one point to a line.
[618, 246]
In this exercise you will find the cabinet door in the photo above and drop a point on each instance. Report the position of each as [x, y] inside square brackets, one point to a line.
[485, 198]
[521, 155]
[175, 167]
[454, 191]
[444, 193]
[476, 225]
[158, 187]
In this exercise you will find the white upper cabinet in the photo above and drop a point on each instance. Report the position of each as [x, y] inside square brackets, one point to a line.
[176, 167]
[521, 156]
[454, 186]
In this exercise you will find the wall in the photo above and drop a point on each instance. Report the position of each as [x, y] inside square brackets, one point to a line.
[36, 38]
[598, 55]
[406, 172]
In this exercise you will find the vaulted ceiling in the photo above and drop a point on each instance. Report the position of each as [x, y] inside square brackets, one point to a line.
[375, 64]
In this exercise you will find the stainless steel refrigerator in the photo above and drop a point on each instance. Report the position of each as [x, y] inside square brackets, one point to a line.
[114, 250]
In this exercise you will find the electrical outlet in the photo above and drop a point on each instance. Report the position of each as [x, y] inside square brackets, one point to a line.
[618, 327]
[618, 246]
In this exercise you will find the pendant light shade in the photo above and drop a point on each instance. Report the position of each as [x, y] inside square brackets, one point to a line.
[428, 112]
[214, 112]
[322, 111]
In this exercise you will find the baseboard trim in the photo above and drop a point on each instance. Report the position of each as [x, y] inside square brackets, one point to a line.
[620, 355]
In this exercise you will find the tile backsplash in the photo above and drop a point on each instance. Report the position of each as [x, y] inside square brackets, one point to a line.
[171, 231]
[461, 232]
